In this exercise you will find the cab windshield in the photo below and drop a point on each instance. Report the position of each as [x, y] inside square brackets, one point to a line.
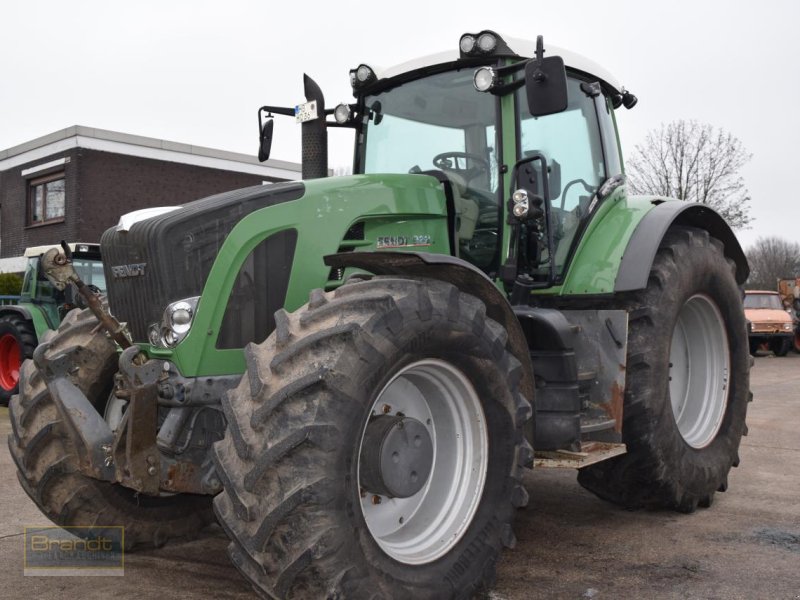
[440, 122]
[771, 301]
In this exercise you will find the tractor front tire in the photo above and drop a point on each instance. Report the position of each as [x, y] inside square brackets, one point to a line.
[17, 343]
[47, 462]
[687, 384]
[416, 365]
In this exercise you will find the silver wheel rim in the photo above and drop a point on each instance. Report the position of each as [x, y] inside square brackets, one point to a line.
[425, 526]
[699, 368]
[115, 409]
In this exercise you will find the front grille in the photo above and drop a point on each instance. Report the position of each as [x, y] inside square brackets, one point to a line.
[768, 327]
[177, 250]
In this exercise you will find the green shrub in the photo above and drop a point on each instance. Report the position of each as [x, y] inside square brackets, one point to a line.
[10, 284]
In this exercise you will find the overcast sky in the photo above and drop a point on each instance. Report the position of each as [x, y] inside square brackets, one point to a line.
[196, 71]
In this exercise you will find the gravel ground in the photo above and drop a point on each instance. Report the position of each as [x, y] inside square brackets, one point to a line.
[570, 544]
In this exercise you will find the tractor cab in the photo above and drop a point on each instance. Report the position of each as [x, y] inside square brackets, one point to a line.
[524, 145]
[37, 289]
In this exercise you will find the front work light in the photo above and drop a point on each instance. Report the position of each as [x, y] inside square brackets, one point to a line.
[467, 43]
[485, 79]
[484, 43]
[342, 113]
[487, 42]
[521, 204]
[361, 76]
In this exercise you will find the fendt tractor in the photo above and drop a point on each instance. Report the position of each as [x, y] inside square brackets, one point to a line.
[357, 370]
[40, 307]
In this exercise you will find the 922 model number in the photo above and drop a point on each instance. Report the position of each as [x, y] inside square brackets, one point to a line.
[403, 241]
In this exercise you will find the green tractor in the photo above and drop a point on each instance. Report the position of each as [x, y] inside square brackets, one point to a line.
[40, 307]
[358, 370]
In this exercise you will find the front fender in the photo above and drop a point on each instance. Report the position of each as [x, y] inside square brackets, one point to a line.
[33, 313]
[464, 276]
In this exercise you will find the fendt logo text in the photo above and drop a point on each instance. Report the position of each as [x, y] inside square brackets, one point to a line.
[134, 270]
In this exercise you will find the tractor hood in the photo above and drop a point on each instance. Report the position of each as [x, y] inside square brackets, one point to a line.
[258, 249]
[767, 315]
[155, 261]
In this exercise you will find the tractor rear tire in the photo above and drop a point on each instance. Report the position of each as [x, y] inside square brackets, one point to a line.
[796, 340]
[17, 343]
[303, 519]
[780, 346]
[681, 449]
[47, 461]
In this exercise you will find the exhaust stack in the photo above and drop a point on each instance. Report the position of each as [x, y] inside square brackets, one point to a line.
[314, 134]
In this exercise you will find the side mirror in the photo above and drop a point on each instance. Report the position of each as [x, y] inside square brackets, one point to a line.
[265, 139]
[545, 83]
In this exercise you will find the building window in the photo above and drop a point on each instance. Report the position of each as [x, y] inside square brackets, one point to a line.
[46, 199]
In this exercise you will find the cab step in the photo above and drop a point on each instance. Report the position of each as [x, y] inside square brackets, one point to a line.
[590, 453]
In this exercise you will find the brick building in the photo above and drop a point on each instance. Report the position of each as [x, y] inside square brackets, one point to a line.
[75, 183]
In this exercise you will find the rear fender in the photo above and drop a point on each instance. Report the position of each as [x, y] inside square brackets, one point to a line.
[643, 244]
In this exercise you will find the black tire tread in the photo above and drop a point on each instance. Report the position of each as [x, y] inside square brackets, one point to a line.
[46, 459]
[646, 476]
[279, 499]
[23, 330]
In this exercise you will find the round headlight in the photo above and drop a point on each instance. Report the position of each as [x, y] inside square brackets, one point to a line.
[487, 43]
[484, 79]
[519, 196]
[363, 73]
[521, 209]
[180, 317]
[467, 43]
[342, 113]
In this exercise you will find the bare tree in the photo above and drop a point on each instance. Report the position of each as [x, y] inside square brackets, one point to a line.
[693, 161]
[772, 258]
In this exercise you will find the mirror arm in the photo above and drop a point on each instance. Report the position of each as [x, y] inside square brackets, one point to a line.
[278, 110]
[507, 88]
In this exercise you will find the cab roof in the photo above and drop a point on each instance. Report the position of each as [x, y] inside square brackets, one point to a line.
[73, 246]
[522, 48]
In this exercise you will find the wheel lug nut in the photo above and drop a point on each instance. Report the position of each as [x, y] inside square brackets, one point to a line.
[386, 408]
[376, 499]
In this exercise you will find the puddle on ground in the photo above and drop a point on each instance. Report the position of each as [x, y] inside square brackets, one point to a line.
[785, 540]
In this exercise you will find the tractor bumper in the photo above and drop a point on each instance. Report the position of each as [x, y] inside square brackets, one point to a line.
[128, 455]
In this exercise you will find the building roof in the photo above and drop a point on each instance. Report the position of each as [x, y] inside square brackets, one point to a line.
[79, 136]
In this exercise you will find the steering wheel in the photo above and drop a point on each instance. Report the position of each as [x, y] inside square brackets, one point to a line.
[586, 186]
[443, 161]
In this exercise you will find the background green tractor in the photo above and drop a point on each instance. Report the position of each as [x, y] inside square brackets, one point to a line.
[40, 307]
[359, 369]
